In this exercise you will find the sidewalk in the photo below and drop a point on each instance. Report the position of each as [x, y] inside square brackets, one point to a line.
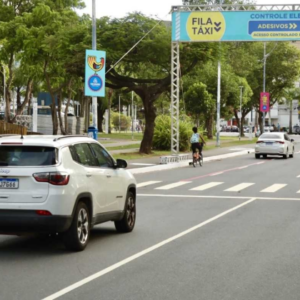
[152, 161]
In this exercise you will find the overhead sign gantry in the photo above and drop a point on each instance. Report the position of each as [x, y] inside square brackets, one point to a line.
[226, 23]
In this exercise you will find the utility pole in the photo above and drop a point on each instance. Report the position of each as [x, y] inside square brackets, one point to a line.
[241, 97]
[94, 47]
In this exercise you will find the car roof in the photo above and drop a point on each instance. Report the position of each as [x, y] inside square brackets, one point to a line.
[45, 140]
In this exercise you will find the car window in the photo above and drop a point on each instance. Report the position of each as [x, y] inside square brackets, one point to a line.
[286, 137]
[102, 156]
[28, 156]
[82, 154]
[271, 136]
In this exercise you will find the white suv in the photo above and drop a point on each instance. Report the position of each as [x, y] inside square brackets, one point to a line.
[63, 184]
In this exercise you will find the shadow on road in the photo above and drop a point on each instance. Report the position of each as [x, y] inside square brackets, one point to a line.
[13, 247]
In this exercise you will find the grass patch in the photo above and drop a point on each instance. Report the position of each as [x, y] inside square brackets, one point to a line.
[134, 146]
[136, 155]
[122, 136]
[232, 143]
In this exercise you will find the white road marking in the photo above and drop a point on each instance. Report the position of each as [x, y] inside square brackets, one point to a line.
[273, 188]
[142, 184]
[142, 253]
[173, 185]
[239, 187]
[142, 164]
[206, 186]
[298, 176]
[217, 197]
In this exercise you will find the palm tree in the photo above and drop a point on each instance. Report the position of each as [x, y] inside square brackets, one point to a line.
[290, 95]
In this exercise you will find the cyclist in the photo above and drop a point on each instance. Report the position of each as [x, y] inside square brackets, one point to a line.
[195, 142]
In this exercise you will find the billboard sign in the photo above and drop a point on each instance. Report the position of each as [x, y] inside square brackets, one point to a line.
[230, 26]
[95, 73]
[264, 102]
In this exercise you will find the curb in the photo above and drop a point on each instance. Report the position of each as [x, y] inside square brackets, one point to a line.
[185, 163]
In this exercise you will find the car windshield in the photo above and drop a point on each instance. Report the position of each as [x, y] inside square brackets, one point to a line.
[271, 136]
[27, 156]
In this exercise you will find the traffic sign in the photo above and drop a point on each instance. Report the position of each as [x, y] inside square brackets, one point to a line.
[207, 26]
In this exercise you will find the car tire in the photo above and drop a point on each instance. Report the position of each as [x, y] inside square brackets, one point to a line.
[292, 155]
[77, 236]
[285, 156]
[257, 156]
[126, 224]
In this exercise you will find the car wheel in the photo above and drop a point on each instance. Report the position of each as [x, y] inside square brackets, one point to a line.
[285, 156]
[77, 237]
[292, 155]
[126, 224]
[257, 156]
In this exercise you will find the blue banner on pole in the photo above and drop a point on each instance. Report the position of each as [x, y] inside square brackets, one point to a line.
[209, 26]
[95, 73]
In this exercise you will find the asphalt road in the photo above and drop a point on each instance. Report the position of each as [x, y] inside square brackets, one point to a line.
[228, 230]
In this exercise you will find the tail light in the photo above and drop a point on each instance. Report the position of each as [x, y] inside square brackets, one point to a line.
[56, 178]
[43, 213]
[259, 142]
[280, 142]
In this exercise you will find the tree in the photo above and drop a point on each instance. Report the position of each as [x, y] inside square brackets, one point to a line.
[146, 70]
[200, 102]
[290, 95]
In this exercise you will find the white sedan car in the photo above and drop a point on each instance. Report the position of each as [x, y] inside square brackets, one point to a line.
[274, 143]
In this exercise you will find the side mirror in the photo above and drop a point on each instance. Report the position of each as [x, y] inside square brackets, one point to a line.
[121, 164]
[292, 140]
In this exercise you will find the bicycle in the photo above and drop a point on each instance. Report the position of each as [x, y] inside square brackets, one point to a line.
[197, 158]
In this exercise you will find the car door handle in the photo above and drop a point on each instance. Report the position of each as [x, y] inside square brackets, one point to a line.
[88, 175]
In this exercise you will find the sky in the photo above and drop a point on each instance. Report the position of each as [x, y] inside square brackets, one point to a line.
[158, 8]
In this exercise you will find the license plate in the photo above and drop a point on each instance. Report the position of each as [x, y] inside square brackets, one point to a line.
[10, 183]
[269, 144]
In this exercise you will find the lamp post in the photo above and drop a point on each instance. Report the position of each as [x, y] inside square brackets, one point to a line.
[241, 97]
[132, 114]
[264, 82]
[4, 91]
[94, 47]
[119, 113]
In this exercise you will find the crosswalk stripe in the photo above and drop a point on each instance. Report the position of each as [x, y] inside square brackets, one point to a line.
[239, 187]
[206, 186]
[173, 185]
[273, 188]
[142, 184]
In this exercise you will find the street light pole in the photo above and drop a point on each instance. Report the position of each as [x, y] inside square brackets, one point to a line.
[241, 97]
[4, 92]
[119, 113]
[132, 114]
[264, 84]
[219, 93]
[94, 46]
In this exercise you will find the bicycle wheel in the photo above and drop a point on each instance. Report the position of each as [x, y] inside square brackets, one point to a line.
[201, 160]
[194, 161]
